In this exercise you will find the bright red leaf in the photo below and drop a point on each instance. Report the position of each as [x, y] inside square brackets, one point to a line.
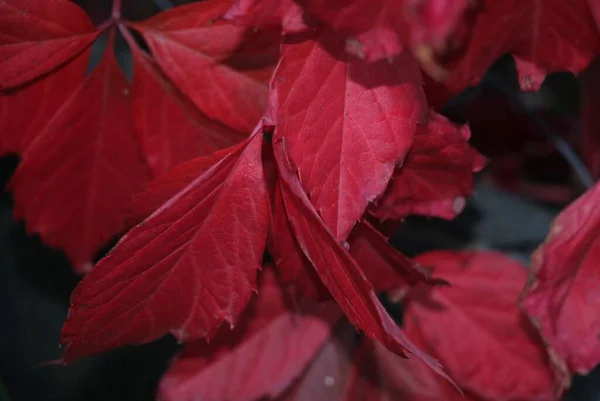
[476, 329]
[38, 36]
[562, 296]
[337, 270]
[25, 112]
[543, 36]
[214, 63]
[171, 129]
[347, 123]
[267, 13]
[437, 175]
[261, 357]
[83, 166]
[186, 269]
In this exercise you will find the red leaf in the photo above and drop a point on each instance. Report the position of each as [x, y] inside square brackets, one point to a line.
[347, 123]
[25, 112]
[381, 29]
[539, 34]
[212, 62]
[348, 370]
[171, 129]
[561, 297]
[336, 268]
[296, 270]
[159, 191]
[184, 270]
[38, 36]
[385, 267]
[437, 175]
[268, 13]
[261, 357]
[84, 165]
[476, 329]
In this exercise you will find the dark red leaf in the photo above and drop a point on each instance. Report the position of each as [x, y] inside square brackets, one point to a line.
[562, 295]
[336, 268]
[186, 269]
[437, 175]
[159, 191]
[38, 36]
[296, 270]
[385, 267]
[261, 357]
[213, 62]
[83, 166]
[539, 34]
[171, 129]
[347, 123]
[382, 29]
[346, 369]
[268, 13]
[477, 330]
[25, 112]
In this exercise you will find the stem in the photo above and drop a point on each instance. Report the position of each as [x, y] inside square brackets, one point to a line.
[116, 10]
[128, 36]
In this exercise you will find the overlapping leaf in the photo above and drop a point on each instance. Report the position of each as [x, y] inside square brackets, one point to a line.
[186, 269]
[268, 13]
[543, 36]
[561, 297]
[347, 122]
[337, 270]
[25, 112]
[261, 357]
[437, 175]
[383, 29]
[171, 129]
[83, 166]
[38, 36]
[208, 60]
[475, 328]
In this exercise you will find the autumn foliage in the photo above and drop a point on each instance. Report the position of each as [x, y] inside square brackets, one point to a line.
[249, 159]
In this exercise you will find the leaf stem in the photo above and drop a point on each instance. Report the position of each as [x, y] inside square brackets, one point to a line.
[116, 10]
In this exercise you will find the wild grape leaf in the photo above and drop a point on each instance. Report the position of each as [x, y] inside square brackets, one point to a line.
[83, 166]
[359, 370]
[267, 13]
[437, 175]
[347, 122]
[25, 112]
[539, 34]
[382, 29]
[38, 36]
[187, 268]
[159, 191]
[337, 270]
[222, 69]
[261, 357]
[385, 267]
[477, 330]
[295, 268]
[561, 297]
[170, 127]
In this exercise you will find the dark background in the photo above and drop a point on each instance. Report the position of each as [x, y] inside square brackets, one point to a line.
[36, 282]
